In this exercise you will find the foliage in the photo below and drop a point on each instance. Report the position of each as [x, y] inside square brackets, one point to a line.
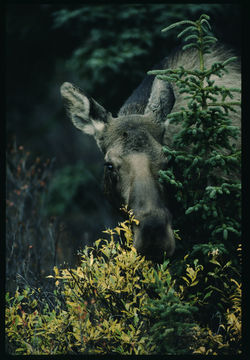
[170, 317]
[40, 203]
[227, 311]
[65, 186]
[26, 227]
[46, 37]
[116, 39]
[102, 310]
[204, 162]
[115, 301]
[73, 196]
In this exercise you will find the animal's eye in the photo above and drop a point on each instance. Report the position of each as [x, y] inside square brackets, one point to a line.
[109, 166]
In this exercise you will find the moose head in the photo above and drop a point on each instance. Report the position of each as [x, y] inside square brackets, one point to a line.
[132, 148]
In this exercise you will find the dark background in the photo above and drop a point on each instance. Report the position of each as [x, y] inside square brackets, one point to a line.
[104, 49]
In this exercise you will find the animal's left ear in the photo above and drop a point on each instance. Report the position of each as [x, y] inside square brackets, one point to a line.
[161, 101]
[85, 113]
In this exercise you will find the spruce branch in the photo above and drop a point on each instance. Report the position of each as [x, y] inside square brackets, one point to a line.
[183, 22]
[203, 153]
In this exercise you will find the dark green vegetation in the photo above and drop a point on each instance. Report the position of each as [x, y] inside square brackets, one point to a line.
[104, 49]
[204, 169]
[115, 301]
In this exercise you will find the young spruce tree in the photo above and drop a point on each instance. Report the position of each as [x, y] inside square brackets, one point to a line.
[204, 161]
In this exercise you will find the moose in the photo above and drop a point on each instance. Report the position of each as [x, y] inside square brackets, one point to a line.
[132, 144]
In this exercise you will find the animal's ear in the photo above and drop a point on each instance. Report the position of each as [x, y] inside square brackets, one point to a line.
[85, 113]
[161, 101]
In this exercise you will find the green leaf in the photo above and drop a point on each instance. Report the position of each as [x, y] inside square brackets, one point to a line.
[189, 37]
[189, 46]
[183, 22]
[189, 28]
[204, 21]
[225, 234]
[213, 261]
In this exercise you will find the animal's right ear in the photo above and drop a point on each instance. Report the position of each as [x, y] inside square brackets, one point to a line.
[85, 113]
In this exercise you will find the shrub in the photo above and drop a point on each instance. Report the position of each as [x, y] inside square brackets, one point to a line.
[204, 162]
[98, 307]
[26, 226]
[203, 175]
[117, 302]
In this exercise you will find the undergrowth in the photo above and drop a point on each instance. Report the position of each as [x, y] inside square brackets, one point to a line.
[117, 302]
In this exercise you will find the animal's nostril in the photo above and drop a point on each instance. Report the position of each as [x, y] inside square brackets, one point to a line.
[154, 237]
[153, 232]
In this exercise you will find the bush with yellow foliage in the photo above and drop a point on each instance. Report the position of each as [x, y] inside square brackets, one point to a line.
[117, 302]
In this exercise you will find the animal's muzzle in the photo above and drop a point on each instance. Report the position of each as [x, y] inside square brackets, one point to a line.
[154, 238]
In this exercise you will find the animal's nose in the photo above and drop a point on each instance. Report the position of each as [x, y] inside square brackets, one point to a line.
[153, 232]
[154, 238]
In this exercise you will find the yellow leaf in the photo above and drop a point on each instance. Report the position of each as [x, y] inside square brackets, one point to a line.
[181, 288]
[238, 285]
[137, 222]
[215, 262]
[91, 259]
[97, 242]
[118, 230]
[56, 271]
[126, 338]
[109, 231]
[184, 278]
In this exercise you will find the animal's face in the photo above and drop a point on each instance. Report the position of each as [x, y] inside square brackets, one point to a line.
[133, 157]
[132, 163]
